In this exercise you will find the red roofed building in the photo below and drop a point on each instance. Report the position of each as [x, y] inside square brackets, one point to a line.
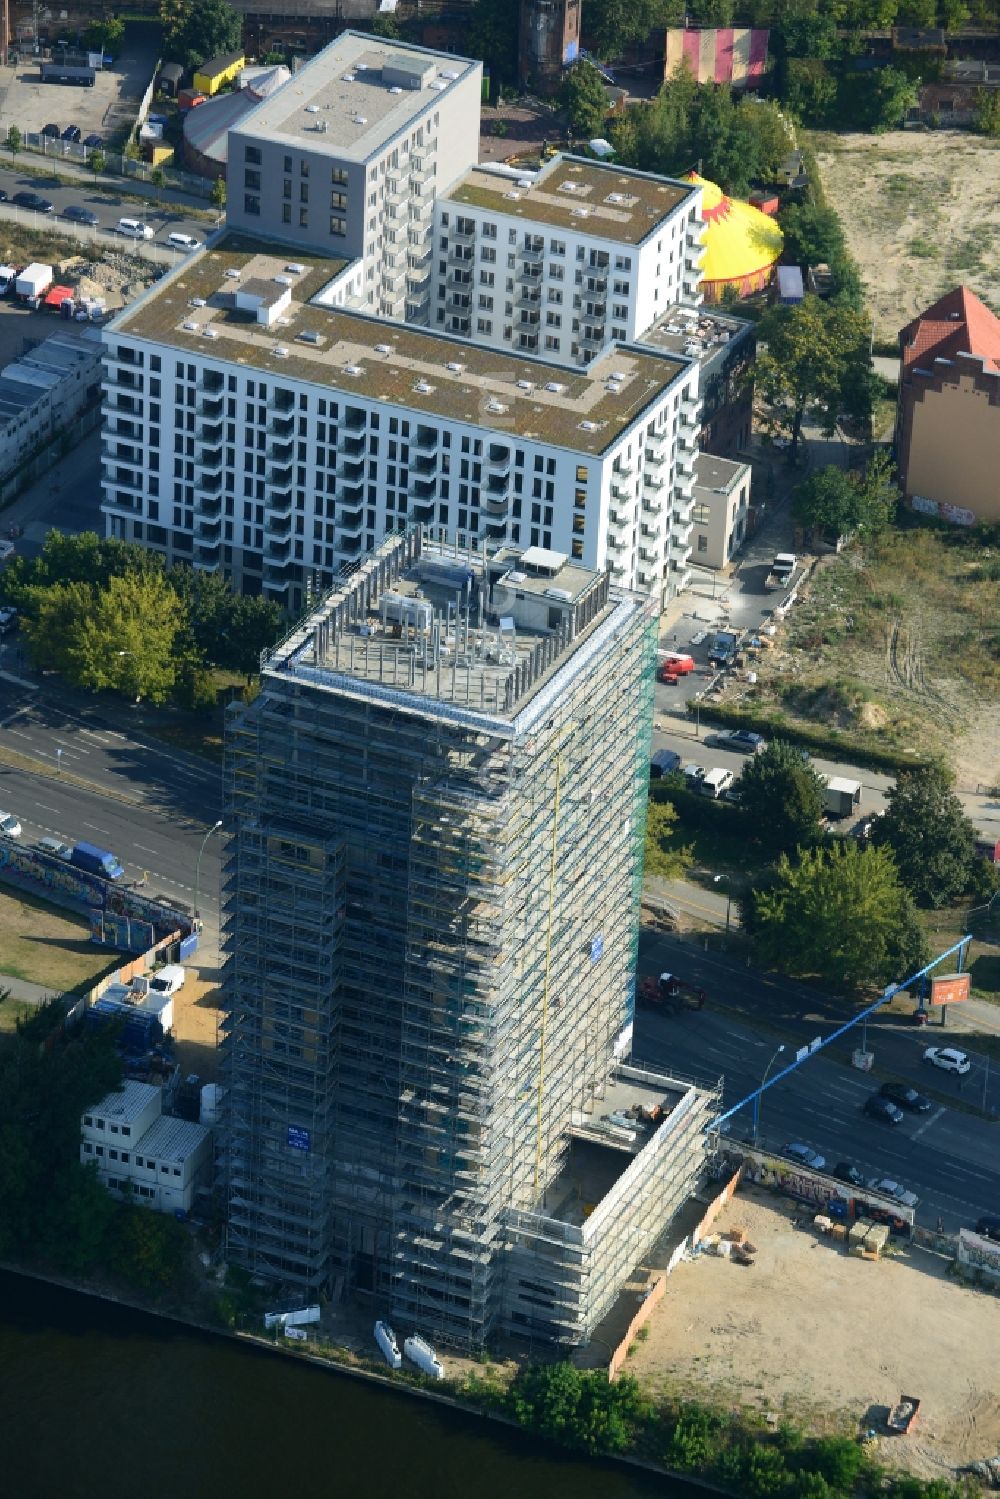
[948, 413]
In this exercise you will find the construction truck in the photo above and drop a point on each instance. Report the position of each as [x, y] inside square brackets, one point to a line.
[669, 993]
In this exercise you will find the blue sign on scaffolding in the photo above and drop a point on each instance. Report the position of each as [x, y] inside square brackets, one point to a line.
[298, 1138]
[597, 948]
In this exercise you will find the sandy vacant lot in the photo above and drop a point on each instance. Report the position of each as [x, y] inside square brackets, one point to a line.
[921, 214]
[810, 1330]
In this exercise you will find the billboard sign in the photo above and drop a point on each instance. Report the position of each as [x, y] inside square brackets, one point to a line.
[298, 1138]
[949, 989]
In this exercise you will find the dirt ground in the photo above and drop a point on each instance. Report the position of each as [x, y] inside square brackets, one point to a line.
[921, 214]
[813, 1333]
[196, 1017]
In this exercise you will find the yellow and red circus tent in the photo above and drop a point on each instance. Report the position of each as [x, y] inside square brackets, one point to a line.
[742, 245]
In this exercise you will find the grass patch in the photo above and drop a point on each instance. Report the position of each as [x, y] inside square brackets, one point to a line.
[947, 926]
[891, 645]
[45, 945]
[924, 249]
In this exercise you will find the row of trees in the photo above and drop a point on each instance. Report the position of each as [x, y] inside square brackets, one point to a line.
[581, 1410]
[53, 1210]
[733, 141]
[110, 616]
[835, 908]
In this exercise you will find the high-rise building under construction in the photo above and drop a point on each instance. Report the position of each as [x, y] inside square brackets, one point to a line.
[437, 812]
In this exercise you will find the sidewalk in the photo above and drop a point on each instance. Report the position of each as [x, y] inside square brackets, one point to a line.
[25, 992]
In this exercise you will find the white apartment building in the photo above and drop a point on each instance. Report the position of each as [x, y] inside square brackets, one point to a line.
[347, 158]
[280, 445]
[564, 262]
[137, 1148]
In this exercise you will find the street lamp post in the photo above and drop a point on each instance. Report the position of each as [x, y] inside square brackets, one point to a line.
[756, 1102]
[197, 868]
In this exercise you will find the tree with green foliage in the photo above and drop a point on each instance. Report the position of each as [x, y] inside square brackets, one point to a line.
[578, 1408]
[810, 91]
[119, 638]
[149, 1248]
[663, 857]
[875, 99]
[105, 35]
[158, 177]
[929, 835]
[812, 356]
[194, 32]
[841, 914]
[611, 27]
[846, 504]
[14, 141]
[736, 143]
[386, 26]
[97, 161]
[812, 231]
[986, 112]
[218, 194]
[491, 33]
[781, 798]
[583, 98]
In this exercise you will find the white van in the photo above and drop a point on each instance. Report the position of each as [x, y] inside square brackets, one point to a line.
[716, 782]
[134, 229]
[183, 241]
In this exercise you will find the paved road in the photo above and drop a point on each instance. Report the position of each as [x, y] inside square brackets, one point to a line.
[949, 1159]
[688, 738]
[108, 203]
[795, 1014]
[148, 804]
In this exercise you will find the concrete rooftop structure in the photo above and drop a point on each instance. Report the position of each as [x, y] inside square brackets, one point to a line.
[355, 96]
[194, 310]
[586, 196]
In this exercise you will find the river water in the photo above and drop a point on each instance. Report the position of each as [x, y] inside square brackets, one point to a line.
[98, 1402]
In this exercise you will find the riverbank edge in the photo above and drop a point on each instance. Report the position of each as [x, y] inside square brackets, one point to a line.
[333, 1366]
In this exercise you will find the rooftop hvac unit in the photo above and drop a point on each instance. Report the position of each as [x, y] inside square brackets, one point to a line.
[295, 268]
[401, 609]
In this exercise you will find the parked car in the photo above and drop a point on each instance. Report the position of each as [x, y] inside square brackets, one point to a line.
[93, 141]
[716, 782]
[134, 229]
[845, 1172]
[56, 847]
[8, 620]
[905, 1097]
[52, 131]
[805, 1155]
[743, 741]
[883, 1109]
[183, 241]
[3, 196]
[72, 133]
[989, 1227]
[6, 551]
[889, 1188]
[34, 201]
[79, 215]
[663, 763]
[693, 774]
[949, 1059]
[168, 980]
[9, 825]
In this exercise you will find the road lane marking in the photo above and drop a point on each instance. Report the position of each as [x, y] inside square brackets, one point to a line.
[75, 748]
[93, 826]
[932, 1119]
[146, 850]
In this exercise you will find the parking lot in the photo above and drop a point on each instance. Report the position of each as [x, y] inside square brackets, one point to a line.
[30, 104]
